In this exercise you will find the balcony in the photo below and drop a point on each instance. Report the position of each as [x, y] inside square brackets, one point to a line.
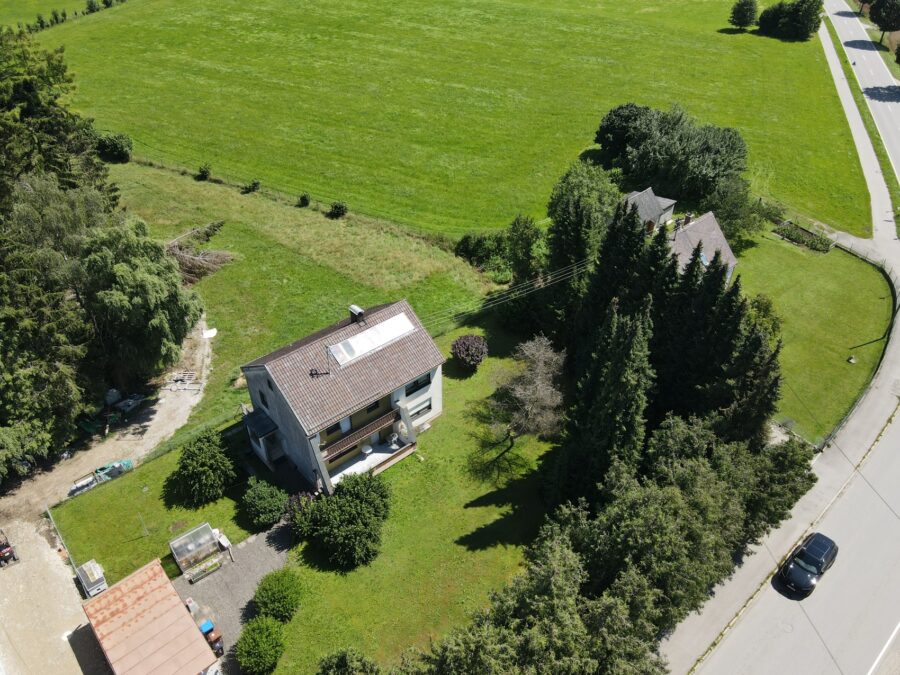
[343, 445]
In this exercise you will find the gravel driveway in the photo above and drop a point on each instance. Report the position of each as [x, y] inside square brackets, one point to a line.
[227, 592]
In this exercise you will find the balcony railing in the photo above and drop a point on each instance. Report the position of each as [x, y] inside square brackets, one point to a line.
[337, 448]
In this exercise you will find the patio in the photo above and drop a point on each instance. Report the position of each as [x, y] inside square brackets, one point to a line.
[383, 456]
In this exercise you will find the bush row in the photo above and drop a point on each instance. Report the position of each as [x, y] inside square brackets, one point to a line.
[261, 643]
[798, 235]
[61, 16]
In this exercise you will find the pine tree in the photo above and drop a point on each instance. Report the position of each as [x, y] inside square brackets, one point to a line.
[743, 14]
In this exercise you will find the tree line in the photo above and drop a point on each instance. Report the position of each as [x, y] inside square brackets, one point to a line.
[87, 298]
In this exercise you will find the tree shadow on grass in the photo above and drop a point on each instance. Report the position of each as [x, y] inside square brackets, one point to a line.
[741, 245]
[518, 525]
[314, 557]
[847, 14]
[731, 31]
[457, 370]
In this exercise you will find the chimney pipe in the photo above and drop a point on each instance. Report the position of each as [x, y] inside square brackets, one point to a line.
[357, 314]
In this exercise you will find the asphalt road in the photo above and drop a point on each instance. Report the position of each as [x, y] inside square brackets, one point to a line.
[843, 627]
[850, 624]
[881, 90]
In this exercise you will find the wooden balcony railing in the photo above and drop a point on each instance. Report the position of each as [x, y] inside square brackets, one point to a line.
[337, 448]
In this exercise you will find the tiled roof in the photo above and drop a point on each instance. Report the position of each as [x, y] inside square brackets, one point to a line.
[704, 229]
[649, 206]
[144, 628]
[319, 402]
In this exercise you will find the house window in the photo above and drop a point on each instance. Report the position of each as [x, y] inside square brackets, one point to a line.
[262, 399]
[269, 382]
[373, 406]
[333, 429]
[418, 385]
[420, 410]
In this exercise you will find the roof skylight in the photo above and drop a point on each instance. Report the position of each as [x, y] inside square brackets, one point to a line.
[371, 339]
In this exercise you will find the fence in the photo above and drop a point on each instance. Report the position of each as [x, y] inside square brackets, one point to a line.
[894, 282]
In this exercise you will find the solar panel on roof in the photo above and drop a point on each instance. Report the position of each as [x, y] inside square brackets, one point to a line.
[371, 339]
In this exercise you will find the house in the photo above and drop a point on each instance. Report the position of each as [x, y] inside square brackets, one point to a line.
[653, 211]
[143, 627]
[703, 230]
[347, 399]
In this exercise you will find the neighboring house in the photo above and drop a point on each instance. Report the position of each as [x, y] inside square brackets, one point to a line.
[652, 210]
[703, 230]
[347, 399]
[144, 628]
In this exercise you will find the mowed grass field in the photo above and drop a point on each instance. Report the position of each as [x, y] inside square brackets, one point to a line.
[455, 115]
[832, 306]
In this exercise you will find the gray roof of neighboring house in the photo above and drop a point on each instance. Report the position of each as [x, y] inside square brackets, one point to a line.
[319, 402]
[705, 230]
[260, 423]
[649, 206]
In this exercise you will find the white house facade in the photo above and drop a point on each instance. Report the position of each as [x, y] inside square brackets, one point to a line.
[348, 399]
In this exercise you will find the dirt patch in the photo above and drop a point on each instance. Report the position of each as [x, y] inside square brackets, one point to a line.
[178, 525]
[153, 424]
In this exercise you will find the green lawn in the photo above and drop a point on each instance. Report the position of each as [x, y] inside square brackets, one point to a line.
[832, 305]
[449, 541]
[25, 11]
[453, 115]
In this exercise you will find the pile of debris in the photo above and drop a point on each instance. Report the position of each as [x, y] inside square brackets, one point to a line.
[193, 261]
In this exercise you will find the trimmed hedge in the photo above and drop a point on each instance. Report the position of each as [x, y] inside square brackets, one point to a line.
[278, 595]
[264, 503]
[260, 646]
[798, 235]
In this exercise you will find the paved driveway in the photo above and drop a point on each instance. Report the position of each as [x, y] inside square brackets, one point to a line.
[228, 591]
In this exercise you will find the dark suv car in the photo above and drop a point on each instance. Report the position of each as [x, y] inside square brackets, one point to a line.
[809, 561]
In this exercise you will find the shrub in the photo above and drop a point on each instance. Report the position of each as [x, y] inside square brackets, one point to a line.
[114, 148]
[470, 350]
[278, 595]
[346, 526]
[297, 513]
[796, 20]
[91, 6]
[337, 210]
[743, 14]
[478, 249]
[260, 646]
[107, 3]
[303, 200]
[798, 235]
[204, 172]
[203, 471]
[264, 503]
[252, 186]
[347, 662]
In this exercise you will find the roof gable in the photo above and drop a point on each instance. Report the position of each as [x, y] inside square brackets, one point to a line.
[143, 626]
[705, 230]
[320, 390]
[649, 206]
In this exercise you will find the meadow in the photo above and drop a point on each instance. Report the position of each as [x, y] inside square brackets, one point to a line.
[25, 11]
[450, 116]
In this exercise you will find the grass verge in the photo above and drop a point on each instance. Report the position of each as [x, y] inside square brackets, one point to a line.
[884, 162]
[832, 306]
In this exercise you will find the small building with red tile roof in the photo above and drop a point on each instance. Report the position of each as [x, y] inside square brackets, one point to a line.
[144, 628]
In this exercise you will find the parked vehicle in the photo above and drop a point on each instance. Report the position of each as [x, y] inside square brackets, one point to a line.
[127, 405]
[101, 475]
[8, 553]
[804, 568]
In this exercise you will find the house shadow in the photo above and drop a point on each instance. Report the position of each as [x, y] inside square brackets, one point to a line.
[884, 94]
[229, 664]
[87, 651]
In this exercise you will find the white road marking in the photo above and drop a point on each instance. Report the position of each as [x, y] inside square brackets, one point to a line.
[884, 649]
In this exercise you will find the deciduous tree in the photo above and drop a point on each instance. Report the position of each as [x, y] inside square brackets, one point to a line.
[886, 15]
[743, 14]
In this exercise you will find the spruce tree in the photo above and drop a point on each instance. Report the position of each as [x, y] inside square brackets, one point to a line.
[607, 421]
[580, 207]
